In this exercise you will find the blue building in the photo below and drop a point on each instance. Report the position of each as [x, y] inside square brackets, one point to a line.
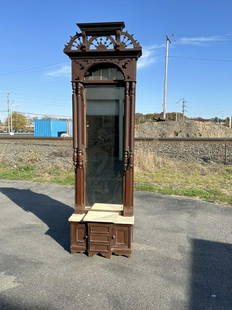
[49, 127]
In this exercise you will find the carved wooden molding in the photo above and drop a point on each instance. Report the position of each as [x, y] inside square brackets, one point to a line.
[120, 41]
[124, 64]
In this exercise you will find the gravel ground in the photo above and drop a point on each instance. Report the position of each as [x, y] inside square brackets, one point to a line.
[182, 256]
[182, 129]
[58, 154]
[41, 154]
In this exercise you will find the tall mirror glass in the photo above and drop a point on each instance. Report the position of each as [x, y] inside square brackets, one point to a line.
[104, 143]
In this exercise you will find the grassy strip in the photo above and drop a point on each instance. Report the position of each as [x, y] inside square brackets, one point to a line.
[208, 195]
[30, 173]
[210, 183]
[18, 173]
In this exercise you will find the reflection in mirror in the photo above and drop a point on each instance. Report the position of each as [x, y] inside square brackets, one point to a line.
[104, 146]
[106, 72]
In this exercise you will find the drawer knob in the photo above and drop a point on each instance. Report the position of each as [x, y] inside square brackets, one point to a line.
[113, 237]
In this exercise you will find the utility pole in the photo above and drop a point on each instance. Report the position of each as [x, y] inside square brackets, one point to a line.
[11, 119]
[8, 112]
[168, 41]
[230, 121]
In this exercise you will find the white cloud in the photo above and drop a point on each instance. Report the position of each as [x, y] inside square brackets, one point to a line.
[63, 71]
[202, 39]
[148, 57]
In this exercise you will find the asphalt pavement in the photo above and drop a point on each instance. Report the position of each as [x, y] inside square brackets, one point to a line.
[182, 257]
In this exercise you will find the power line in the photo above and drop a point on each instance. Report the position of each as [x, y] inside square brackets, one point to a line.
[33, 68]
[202, 59]
[30, 113]
[39, 114]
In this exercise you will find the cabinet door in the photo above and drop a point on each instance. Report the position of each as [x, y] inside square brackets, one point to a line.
[78, 237]
[122, 236]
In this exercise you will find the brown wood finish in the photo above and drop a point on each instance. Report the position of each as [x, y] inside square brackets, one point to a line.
[101, 44]
[101, 238]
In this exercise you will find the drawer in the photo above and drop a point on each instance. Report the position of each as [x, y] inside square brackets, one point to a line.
[99, 247]
[99, 228]
[100, 238]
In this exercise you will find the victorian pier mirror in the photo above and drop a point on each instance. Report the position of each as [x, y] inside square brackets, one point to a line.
[103, 78]
[104, 118]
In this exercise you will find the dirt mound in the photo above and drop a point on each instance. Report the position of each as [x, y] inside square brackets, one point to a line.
[182, 129]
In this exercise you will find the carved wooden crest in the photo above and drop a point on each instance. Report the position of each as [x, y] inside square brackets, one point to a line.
[103, 43]
[81, 42]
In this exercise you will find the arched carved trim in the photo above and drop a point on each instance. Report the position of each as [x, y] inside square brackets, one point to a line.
[125, 65]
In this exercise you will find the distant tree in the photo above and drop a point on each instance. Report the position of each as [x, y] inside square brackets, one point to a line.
[154, 117]
[19, 121]
[227, 120]
[215, 119]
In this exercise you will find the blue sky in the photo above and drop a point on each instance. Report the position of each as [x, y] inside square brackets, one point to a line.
[35, 71]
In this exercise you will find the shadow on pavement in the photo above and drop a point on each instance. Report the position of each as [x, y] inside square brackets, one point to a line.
[52, 212]
[211, 282]
[9, 304]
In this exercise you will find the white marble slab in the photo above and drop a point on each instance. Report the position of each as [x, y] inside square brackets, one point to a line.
[107, 207]
[76, 217]
[108, 217]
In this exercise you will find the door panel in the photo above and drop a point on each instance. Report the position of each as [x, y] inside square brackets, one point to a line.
[121, 236]
[78, 237]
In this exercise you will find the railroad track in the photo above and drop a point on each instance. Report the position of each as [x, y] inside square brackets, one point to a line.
[137, 139]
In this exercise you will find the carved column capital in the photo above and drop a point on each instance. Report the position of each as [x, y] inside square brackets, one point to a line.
[132, 89]
[78, 158]
[128, 161]
[74, 87]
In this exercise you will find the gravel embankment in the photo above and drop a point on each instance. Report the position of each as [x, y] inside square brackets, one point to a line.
[58, 154]
[182, 129]
[49, 154]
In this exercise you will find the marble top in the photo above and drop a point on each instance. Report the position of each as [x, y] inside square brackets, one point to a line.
[76, 217]
[107, 207]
[108, 217]
[102, 217]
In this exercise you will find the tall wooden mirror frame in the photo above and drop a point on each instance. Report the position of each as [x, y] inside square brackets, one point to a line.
[98, 44]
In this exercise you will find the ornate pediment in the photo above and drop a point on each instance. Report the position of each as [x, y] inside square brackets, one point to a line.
[102, 37]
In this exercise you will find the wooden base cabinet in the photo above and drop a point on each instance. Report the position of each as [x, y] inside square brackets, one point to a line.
[101, 238]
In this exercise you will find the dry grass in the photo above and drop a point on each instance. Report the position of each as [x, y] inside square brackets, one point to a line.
[211, 182]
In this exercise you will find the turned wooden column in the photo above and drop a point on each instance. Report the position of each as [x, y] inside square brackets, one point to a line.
[78, 147]
[129, 149]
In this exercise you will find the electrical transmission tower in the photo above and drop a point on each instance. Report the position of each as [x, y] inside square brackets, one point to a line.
[184, 107]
